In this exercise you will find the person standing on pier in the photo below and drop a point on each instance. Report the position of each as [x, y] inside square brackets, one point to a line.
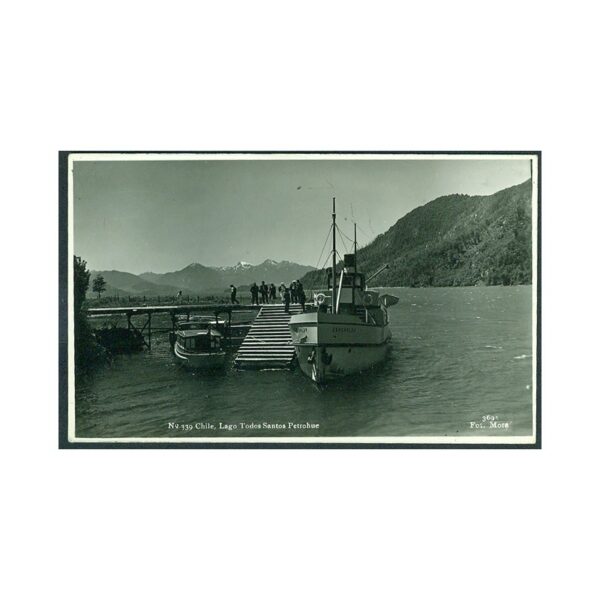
[281, 290]
[301, 295]
[233, 294]
[286, 299]
[264, 293]
[254, 292]
[272, 292]
[294, 298]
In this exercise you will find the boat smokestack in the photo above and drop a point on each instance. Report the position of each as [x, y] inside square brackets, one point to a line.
[350, 263]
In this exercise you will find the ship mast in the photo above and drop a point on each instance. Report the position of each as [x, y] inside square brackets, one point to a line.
[355, 256]
[333, 289]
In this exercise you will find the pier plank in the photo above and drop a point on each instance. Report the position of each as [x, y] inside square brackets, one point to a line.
[268, 344]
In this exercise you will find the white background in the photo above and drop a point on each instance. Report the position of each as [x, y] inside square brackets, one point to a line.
[301, 76]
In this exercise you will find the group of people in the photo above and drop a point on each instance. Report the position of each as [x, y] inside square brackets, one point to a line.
[293, 293]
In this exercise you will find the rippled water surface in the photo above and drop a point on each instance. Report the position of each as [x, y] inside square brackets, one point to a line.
[458, 354]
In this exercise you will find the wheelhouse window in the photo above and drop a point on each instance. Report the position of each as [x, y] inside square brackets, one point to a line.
[353, 279]
[202, 343]
[349, 280]
[199, 343]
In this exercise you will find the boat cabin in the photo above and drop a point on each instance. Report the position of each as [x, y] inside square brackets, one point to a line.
[199, 340]
[352, 296]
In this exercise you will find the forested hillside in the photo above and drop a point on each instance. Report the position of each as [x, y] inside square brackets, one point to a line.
[455, 240]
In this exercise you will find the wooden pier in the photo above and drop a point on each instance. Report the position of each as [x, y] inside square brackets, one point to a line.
[175, 311]
[268, 344]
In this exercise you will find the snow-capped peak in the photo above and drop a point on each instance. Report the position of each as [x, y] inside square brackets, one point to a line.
[244, 264]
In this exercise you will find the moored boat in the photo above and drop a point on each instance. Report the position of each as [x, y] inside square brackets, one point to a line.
[199, 347]
[348, 330]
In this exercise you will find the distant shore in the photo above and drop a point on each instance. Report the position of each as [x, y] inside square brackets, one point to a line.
[243, 297]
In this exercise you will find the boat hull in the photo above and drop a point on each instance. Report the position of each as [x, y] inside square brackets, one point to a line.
[324, 363]
[212, 360]
[330, 347]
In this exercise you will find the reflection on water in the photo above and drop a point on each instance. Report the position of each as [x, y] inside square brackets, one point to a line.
[458, 354]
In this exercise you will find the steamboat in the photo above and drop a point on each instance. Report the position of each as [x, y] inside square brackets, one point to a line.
[347, 330]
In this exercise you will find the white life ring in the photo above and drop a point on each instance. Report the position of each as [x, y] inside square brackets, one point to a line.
[320, 298]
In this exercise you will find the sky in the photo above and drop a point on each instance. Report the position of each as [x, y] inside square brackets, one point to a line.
[160, 216]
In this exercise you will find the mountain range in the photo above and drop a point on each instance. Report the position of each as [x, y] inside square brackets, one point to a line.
[454, 240]
[198, 279]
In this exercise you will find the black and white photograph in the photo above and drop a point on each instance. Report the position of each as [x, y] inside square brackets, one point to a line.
[302, 298]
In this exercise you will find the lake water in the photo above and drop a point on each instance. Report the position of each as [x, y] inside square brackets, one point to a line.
[458, 354]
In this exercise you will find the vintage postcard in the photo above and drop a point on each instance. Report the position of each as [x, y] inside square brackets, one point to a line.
[315, 299]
